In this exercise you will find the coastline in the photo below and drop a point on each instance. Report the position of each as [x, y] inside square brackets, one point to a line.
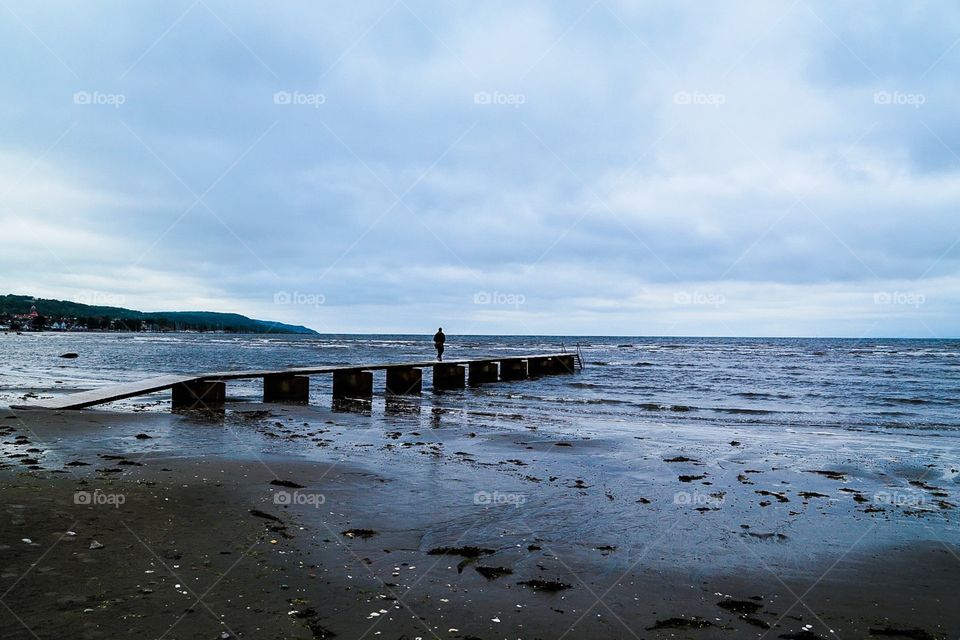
[622, 519]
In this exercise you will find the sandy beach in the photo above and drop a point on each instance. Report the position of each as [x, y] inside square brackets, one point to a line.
[275, 521]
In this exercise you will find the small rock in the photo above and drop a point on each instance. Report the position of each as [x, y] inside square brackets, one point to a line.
[96, 545]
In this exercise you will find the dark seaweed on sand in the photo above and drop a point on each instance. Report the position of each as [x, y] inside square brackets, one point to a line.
[681, 623]
[779, 537]
[545, 585]
[833, 475]
[779, 496]
[266, 516]
[286, 483]
[492, 573]
[755, 622]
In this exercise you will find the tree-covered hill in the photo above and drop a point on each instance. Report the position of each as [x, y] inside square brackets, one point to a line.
[103, 317]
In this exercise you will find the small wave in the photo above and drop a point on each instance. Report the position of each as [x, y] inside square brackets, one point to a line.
[653, 406]
[643, 364]
[761, 395]
[596, 401]
[586, 401]
[743, 410]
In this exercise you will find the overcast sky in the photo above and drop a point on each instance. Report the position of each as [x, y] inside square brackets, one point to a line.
[609, 167]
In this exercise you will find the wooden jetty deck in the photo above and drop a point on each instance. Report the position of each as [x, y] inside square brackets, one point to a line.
[208, 390]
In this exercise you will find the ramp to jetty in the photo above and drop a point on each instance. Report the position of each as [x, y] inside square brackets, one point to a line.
[208, 390]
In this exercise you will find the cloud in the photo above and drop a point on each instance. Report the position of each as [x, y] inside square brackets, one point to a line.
[398, 159]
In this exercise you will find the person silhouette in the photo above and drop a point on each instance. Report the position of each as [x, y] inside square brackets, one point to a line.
[438, 340]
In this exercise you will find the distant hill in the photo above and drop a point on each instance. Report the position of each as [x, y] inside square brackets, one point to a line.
[97, 317]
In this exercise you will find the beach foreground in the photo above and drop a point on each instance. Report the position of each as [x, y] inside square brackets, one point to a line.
[298, 522]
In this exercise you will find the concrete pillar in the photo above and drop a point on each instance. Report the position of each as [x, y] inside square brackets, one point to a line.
[565, 364]
[483, 372]
[352, 383]
[541, 366]
[513, 369]
[199, 394]
[449, 376]
[281, 388]
[404, 380]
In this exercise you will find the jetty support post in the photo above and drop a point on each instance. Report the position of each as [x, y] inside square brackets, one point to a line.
[449, 376]
[565, 364]
[404, 380]
[286, 388]
[352, 383]
[199, 394]
[541, 366]
[481, 372]
[515, 369]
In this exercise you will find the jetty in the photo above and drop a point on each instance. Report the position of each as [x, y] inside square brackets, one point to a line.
[208, 390]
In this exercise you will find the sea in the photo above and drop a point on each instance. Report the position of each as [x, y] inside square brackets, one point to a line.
[894, 386]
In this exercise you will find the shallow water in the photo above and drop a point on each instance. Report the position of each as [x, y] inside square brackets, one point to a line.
[895, 386]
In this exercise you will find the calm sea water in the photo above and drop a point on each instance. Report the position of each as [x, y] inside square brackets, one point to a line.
[830, 384]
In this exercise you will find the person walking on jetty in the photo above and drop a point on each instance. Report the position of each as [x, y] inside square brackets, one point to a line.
[438, 340]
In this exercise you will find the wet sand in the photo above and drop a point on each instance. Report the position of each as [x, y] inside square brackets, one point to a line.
[296, 522]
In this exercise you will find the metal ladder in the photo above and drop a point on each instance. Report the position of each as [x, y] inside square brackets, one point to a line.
[577, 356]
